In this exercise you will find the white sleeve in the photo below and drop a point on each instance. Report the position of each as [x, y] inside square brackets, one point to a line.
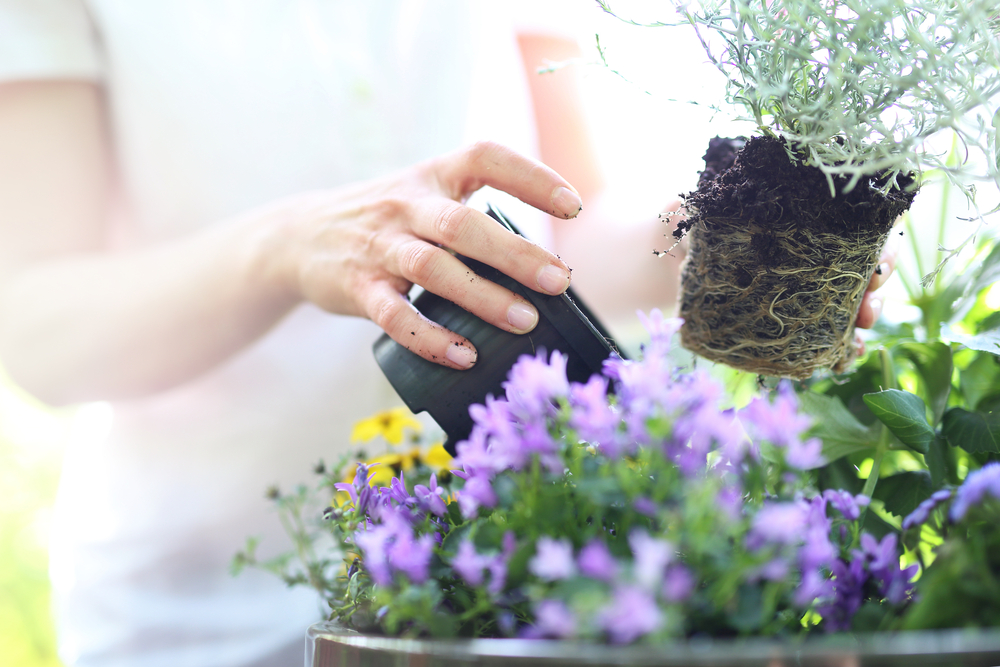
[47, 39]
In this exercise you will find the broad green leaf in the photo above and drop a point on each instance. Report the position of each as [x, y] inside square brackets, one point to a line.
[840, 431]
[984, 341]
[979, 379]
[972, 431]
[904, 414]
[902, 492]
[876, 525]
[933, 362]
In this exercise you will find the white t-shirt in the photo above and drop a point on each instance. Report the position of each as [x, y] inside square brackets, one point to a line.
[218, 106]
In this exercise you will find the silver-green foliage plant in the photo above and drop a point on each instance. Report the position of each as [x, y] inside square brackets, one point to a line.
[859, 86]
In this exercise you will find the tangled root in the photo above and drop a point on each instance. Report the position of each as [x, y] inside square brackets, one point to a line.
[776, 267]
[783, 321]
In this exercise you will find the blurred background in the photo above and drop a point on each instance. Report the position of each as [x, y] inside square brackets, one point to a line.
[32, 440]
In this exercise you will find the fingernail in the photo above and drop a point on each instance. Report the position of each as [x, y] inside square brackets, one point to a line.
[461, 355]
[553, 280]
[566, 202]
[521, 316]
[882, 271]
[876, 305]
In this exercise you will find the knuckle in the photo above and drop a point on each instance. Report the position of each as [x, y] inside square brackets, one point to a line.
[450, 223]
[482, 150]
[387, 314]
[417, 261]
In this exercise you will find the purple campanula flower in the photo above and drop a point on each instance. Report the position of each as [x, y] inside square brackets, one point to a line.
[678, 583]
[593, 418]
[469, 564]
[372, 543]
[661, 330]
[645, 506]
[596, 562]
[360, 489]
[553, 559]
[704, 429]
[894, 582]
[554, 619]
[780, 423]
[923, 511]
[397, 491]
[848, 588]
[476, 493]
[632, 613]
[536, 439]
[729, 499]
[651, 557]
[775, 569]
[411, 556]
[389, 546]
[430, 498]
[474, 455]
[805, 455]
[777, 523]
[849, 506]
[498, 564]
[978, 485]
[817, 550]
[814, 586]
[533, 384]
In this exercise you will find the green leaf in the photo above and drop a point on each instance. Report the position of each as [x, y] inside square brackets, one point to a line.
[937, 462]
[876, 525]
[933, 362]
[904, 414]
[840, 431]
[984, 341]
[979, 379]
[972, 431]
[902, 492]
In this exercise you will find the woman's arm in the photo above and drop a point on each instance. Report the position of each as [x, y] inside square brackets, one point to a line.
[80, 321]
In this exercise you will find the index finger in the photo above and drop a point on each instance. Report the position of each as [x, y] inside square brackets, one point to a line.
[476, 235]
[488, 163]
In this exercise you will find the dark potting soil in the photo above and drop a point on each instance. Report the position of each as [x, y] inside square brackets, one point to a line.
[757, 181]
[720, 156]
[777, 265]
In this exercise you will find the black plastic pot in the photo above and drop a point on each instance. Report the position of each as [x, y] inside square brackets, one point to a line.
[564, 324]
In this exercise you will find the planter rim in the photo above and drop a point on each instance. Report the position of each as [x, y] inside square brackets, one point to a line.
[970, 646]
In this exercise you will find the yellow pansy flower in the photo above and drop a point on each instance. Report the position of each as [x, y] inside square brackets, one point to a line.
[389, 424]
[437, 458]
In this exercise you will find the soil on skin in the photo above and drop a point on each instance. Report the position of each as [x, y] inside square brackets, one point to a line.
[777, 266]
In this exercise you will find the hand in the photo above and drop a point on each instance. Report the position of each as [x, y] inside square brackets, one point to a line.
[871, 303]
[359, 250]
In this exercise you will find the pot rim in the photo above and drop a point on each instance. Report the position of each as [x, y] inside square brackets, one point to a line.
[927, 647]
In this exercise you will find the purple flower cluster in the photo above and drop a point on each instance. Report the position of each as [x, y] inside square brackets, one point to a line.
[780, 423]
[919, 516]
[978, 485]
[388, 542]
[799, 532]
[875, 561]
[389, 547]
[472, 566]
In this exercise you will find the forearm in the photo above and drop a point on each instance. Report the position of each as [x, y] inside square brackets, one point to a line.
[613, 261]
[118, 325]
